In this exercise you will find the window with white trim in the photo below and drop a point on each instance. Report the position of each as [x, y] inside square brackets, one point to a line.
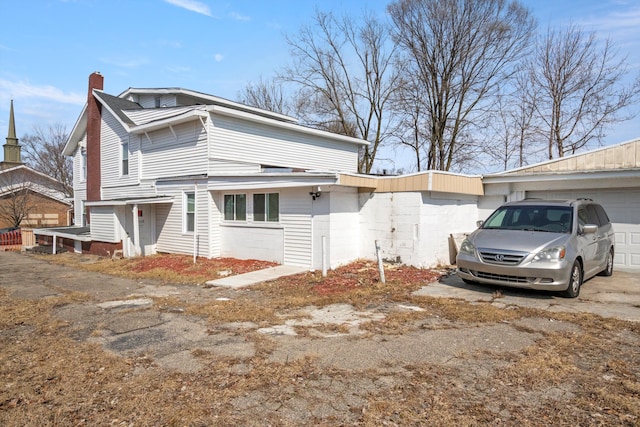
[266, 207]
[83, 163]
[189, 212]
[235, 207]
[125, 158]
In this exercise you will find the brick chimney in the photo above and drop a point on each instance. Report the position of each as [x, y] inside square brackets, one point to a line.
[94, 119]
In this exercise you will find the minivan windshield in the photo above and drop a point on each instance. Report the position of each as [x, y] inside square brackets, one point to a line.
[553, 219]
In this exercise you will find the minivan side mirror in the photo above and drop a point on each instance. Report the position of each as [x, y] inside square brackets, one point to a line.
[589, 228]
[479, 223]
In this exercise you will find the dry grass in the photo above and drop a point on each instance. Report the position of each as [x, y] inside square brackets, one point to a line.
[167, 268]
[588, 376]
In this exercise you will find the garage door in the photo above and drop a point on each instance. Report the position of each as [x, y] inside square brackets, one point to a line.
[623, 208]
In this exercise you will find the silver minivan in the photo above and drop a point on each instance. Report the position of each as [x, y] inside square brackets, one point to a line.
[539, 244]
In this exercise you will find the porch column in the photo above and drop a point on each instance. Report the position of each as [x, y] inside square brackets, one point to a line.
[136, 231]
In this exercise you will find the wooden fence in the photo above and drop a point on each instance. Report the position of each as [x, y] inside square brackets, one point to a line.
[16, 240]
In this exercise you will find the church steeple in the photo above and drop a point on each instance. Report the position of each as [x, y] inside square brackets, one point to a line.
[12, 155]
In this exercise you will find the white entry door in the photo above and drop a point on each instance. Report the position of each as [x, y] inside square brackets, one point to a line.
[146, 225]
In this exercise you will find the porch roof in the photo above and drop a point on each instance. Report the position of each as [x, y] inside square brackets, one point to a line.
[74, 233]
[132, 201]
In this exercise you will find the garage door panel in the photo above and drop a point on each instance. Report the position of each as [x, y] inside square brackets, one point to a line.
[623, 208]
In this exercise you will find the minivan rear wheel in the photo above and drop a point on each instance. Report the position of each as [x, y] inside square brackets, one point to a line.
[575, 280]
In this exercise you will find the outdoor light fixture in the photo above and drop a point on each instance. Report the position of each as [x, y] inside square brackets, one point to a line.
[315, 194]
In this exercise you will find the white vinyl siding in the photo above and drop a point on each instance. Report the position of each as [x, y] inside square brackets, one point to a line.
[170, 222]
[166, 156]
[219, 166]
[295, 216]
[243, 141]
[128, 191]
[111, 141]
[103, 224]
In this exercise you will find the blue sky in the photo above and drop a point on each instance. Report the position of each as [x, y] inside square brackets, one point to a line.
[48, 48]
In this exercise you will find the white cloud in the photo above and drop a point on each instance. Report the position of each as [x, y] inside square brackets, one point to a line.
[218, 57]
[191, 5]
[24, 90]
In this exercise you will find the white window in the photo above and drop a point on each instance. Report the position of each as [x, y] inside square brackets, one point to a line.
[189, 211]
[235, 207]
[125, 158]
[266, 207]
[83, 214]
[83, 163]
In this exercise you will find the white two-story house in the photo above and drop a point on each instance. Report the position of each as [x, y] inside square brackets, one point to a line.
[178, 171]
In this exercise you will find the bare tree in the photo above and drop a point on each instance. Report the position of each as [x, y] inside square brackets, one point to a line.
[460, 52]
[17, 198]
[345, 74]
[581, 88]
[411, 126]
[513, 125]
[266, 94]
[43, 151]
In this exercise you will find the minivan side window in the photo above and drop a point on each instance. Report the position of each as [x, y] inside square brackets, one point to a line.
[593, 215]
[602, 215]
[583, 216]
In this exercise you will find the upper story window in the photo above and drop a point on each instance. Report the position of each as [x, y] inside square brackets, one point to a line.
[235, 207]
[83, 163]
[189, 212]
[125, 159]
[83, 214]
[266, 207]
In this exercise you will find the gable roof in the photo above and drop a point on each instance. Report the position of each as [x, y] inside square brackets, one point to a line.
[116, 105]
[36, 181]
[138, 120]
[206, 99]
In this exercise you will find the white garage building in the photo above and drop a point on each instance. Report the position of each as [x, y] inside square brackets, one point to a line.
[609, 176]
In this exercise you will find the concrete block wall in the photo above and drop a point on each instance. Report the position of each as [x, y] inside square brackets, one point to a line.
[414, 227]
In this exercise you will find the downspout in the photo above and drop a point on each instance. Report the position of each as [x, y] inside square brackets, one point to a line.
[195, 220]
[136, 231]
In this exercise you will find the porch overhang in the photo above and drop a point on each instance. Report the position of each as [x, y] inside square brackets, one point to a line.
[270, 180]
[73, 233]
[132, 201]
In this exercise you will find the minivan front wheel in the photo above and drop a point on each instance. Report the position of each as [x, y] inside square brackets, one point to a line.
[575, 280]
[608, 270]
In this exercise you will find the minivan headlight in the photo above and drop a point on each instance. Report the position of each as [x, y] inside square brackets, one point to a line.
[551, 254]
[467, 247]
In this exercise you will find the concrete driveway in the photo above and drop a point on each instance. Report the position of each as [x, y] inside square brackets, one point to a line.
[617, 296]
